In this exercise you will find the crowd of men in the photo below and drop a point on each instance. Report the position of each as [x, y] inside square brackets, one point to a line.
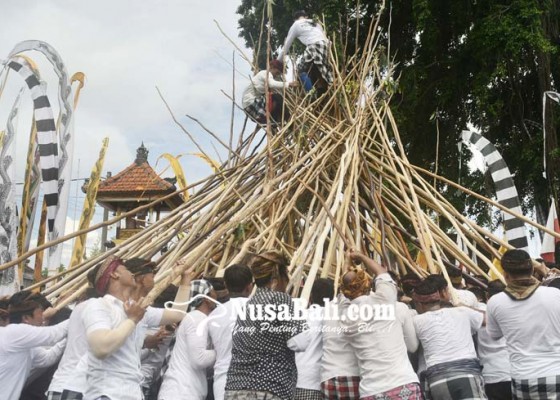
[244, 337]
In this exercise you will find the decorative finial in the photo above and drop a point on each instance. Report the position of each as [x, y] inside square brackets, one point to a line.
[141, 155]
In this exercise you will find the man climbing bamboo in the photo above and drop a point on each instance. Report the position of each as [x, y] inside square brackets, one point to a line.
[255, 99]
[314, 69]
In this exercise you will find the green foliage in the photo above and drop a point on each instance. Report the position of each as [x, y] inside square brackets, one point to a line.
[480, 62]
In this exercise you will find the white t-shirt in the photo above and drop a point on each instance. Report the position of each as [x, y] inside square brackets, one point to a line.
[338, 358]
[20, 349]
[308, 362]
[117, 376]
[405, 317]
[306, 31]
[446, 334]
[378, 343]
[220, 328]
[256, 87]
[531, 328]
[185, 378]
[71, 374]
[493, 356]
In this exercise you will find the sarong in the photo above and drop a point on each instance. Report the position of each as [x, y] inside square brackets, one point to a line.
[341, 388]
[537, 388]
[317, 54]
[455, 380]
[410, 391]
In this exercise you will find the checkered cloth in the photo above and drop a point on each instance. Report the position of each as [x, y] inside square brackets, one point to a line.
[257, 110]
[341, 388]
[308, 394]
[65, 395]
[317, 54]
[249, 395]
[460, 386]
[199, 286]
[410, 391]
[537, 388]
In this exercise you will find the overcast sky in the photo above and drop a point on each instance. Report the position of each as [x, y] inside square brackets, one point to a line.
[126, 48]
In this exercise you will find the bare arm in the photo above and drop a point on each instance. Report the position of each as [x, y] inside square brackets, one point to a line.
[177, 313]
[371, 266]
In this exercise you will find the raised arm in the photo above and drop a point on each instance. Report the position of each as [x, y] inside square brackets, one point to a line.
[177, 313]
[103, 340]
[371, 266]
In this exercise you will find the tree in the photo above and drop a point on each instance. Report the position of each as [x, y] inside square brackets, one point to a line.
[485, 63]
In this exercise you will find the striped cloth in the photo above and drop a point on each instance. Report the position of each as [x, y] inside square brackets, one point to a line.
[65, 395]
[537, 388]
[341, 388]
[317, 54]
[506, 193]
[257, 110]
[46, 136]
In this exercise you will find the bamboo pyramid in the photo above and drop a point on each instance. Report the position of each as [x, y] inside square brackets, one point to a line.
[334, 176]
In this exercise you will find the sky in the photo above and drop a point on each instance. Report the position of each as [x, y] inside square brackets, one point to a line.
[126, 48]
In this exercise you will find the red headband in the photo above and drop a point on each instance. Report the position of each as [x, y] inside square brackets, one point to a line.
[104, 274]
[426, 298]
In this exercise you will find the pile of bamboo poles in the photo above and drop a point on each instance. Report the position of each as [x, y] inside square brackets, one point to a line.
[335, 176]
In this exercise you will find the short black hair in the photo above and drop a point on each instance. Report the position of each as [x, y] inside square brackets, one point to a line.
[140, 266]
[25, 303]
[61, 315]
[219, 286]
[495, 287]
[453, 272]
[479, 293]
[438, 280]
[237, 277]
[427, 287]
[168, 294]
[517, 262]
[300, 13]
[323, 288]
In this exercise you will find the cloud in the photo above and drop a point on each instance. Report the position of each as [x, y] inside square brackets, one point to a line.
[126, 49]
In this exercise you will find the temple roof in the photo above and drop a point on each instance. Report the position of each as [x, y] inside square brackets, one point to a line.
[137, 182]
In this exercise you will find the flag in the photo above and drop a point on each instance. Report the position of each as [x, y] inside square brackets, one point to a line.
[549, 241]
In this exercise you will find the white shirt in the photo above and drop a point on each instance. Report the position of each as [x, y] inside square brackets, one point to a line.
[338, 356]
[304, 30]
[118, 375]
[71, 374]
[256, 87]
[379, 343]
[405, 317]
[20, 349]
[446, 334]
[185, 378]
[532, 331]
[220, 328]
[308, 362]
[493, 356]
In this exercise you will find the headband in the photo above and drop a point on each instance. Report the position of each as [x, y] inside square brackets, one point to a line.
[426, 298]
[103, 276]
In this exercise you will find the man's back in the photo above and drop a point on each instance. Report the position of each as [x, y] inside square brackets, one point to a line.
[220, 328]
[532, 331]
